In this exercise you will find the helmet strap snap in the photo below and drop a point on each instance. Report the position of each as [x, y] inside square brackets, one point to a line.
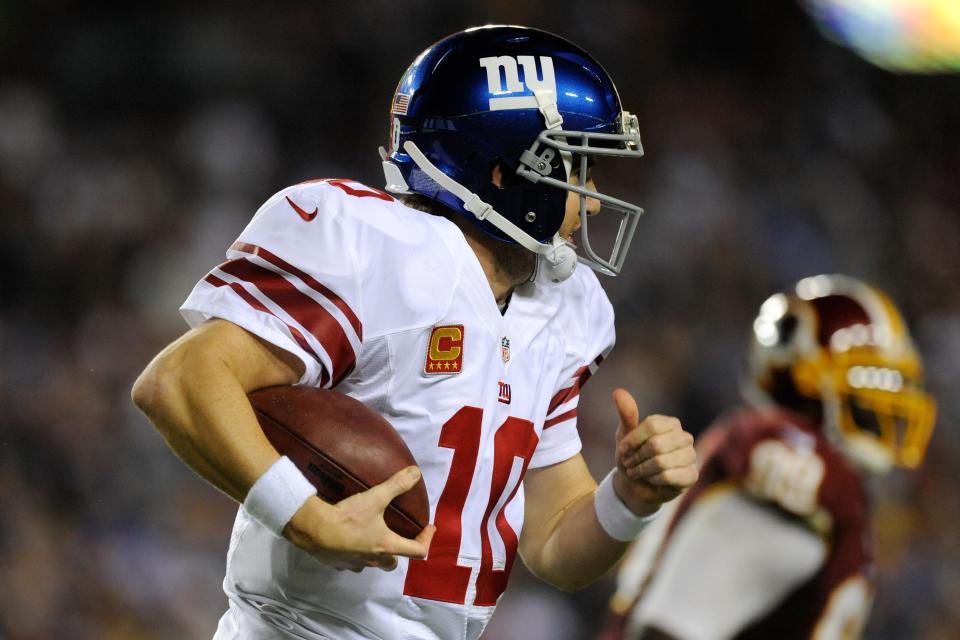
[556, 264]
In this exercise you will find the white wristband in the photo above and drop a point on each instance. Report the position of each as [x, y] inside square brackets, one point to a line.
[616, 519]
[277, 495]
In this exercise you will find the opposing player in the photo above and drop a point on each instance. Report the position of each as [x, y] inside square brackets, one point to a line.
[458, 313]
[773, 541]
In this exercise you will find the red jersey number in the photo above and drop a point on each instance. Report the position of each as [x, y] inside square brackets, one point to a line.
[440, 576]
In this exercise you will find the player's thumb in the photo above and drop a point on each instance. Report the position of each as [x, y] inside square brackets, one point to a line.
[627, 411]
[400, 482]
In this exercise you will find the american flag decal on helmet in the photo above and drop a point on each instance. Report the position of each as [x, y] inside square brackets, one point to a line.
[401, 102]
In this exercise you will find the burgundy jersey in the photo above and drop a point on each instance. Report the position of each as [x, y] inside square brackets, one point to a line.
[775, 461]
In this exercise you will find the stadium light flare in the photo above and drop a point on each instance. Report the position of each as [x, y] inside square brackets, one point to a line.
[903, 36]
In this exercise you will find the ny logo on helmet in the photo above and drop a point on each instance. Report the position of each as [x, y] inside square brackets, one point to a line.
[533, 81]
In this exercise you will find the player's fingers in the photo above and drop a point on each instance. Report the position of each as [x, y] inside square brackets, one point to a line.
[679, 478]
[357, 562]
[659, 444]
[425, 537]
[627, 411]
[400, 482]
[656, 434]
[383, 561]
[651, 466]
[417, 548]
[344, 564]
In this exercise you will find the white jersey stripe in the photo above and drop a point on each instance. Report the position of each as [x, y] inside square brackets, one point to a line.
[213, 280]
[314, 295]
[563, 417]
[318, 347]
[310, 281]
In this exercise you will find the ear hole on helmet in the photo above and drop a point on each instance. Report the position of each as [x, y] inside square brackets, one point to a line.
[786, 329]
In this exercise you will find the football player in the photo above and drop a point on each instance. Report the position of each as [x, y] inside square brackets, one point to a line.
[453, 305]
[774, 540]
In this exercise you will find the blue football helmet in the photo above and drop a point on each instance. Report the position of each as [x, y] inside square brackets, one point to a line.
[531, 102]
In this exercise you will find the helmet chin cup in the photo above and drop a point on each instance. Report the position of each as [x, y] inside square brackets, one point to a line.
[556, 264]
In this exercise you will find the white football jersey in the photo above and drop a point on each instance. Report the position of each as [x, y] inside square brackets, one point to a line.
[391, 306]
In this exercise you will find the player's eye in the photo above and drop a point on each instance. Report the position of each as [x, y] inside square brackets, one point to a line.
[577, 159]
[575, 169]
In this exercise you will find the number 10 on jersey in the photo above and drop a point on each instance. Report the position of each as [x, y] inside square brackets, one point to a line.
[440, 576]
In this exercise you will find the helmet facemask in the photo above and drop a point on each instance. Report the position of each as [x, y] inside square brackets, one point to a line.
[579, 149]
[874, 408]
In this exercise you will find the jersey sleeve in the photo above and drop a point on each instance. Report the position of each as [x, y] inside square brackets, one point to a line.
[755, 558]
[293, 279]
[588, 326]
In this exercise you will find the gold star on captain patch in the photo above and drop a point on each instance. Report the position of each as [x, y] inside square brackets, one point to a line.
[446, 365]
[455, 366]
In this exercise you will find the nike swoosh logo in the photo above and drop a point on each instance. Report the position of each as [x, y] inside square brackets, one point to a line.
[300, 212]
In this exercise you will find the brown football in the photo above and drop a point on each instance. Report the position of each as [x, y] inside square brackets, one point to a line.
[342, 446]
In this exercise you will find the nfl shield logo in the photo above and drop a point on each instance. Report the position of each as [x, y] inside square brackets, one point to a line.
[505, 349]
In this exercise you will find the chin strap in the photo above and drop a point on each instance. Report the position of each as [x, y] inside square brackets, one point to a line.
[561, 258]
[547, 105]
[556, 261]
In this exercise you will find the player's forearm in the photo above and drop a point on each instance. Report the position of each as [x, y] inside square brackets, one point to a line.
[197, 402]
[577, 551]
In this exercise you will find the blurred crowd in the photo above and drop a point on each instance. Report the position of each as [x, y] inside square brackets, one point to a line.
[136, 142]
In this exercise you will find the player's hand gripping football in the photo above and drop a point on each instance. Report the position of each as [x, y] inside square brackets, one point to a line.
[655, 457]
[352, 533]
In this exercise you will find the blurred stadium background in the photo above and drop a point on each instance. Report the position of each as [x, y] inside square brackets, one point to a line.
[136, 141]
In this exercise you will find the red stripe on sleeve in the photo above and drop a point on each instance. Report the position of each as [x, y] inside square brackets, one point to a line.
[253, 302]
[581, 376]
[309, 313]
[310, 281]
[563, 417]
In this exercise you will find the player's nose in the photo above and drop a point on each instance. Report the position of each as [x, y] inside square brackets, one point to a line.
[593, 205]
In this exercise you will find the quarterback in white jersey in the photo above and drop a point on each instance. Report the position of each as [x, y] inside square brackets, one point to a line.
[466, 326]
[424, 343]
